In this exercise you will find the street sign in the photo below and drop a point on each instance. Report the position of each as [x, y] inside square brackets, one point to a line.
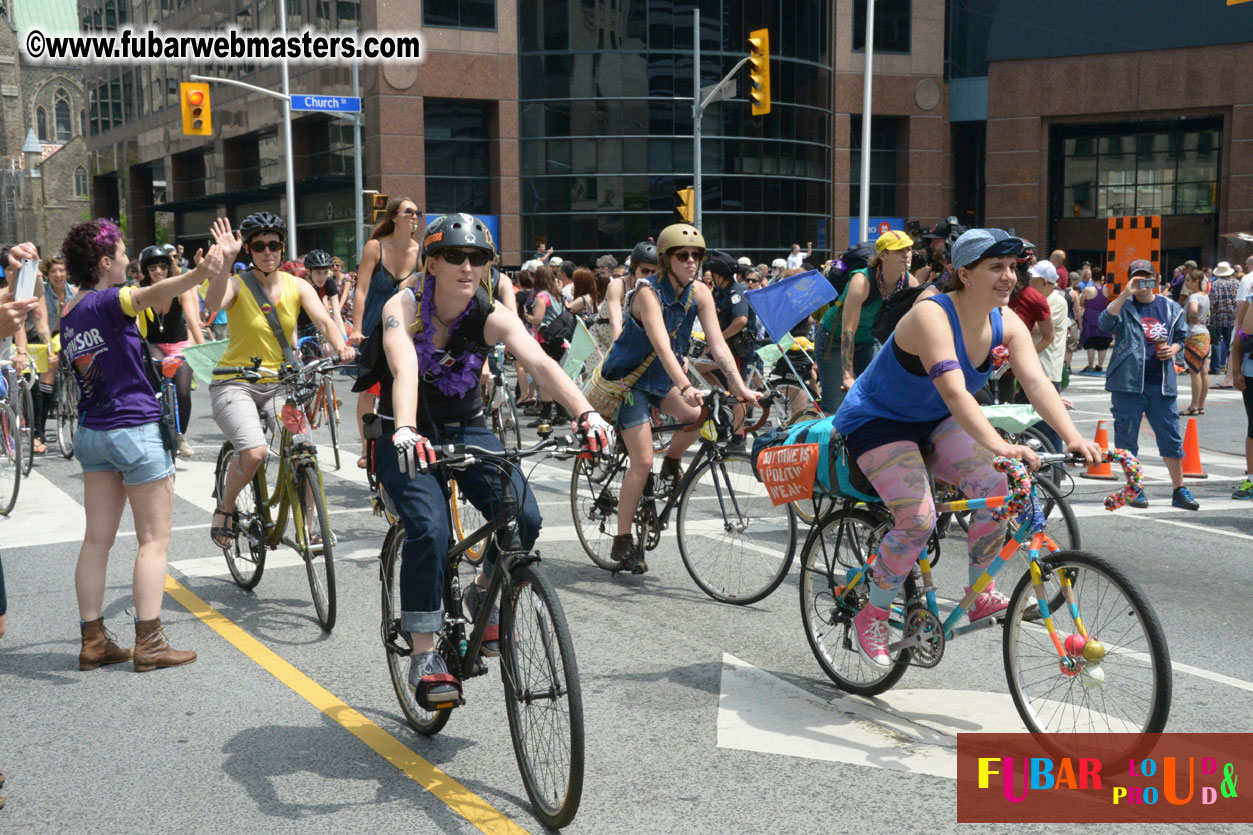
[326, 104]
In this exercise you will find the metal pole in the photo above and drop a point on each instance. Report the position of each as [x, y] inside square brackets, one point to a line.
[287, 143]
[696, 114]
[357, 175]
[865, 123]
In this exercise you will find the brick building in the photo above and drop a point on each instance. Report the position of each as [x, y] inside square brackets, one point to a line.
[44, 187]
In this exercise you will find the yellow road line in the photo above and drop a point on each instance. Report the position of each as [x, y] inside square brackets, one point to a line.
[461, 800]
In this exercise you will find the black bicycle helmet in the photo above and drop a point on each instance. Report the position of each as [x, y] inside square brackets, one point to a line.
[721, 263]
[461, 229]
[645, 252]
[259, 223]
[317, 259]
[153, 254]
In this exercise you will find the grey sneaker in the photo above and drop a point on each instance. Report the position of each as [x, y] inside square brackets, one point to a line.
[431, 664]
[184, 449]
[491, 636]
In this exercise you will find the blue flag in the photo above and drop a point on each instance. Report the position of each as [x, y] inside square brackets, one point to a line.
[784, 303]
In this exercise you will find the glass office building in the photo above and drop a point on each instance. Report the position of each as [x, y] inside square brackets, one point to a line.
[605, 94]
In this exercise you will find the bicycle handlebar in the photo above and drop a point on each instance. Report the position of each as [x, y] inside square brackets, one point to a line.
[461, 456]
[1132, 471]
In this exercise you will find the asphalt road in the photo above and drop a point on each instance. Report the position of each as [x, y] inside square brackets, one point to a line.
[701, 717]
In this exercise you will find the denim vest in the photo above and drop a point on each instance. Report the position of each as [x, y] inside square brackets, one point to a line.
[630, 349]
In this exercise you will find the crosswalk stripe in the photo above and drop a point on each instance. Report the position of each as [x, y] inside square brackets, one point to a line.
[44, 515]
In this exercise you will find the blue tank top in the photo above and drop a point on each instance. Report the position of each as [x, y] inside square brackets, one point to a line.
[887, 390]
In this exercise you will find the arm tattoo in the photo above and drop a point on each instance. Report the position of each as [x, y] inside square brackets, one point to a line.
[846, 351]
[391, 322]
[727, 364]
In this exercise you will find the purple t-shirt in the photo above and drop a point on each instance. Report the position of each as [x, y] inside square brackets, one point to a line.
[102, 344]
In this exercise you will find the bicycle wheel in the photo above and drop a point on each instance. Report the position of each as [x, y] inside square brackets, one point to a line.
[1126, 688]
[505, 419]
[67, 413]
[398, 644]
[10, 464]
[317, 543]
[734, 542]
[25, 407]
[466, 519]
[835, 550]
[542, 696]
[594, 488]
[245, 558]
[331, 406]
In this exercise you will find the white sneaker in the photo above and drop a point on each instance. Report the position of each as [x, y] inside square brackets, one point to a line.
[184, 449]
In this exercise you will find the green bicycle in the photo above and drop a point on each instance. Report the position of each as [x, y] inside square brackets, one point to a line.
[297, 487]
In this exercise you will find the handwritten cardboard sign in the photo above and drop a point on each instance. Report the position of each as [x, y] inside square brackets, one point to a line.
[789, 471]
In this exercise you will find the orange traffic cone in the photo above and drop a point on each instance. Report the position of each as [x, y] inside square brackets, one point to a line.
[1192, 452]
[1103, 471]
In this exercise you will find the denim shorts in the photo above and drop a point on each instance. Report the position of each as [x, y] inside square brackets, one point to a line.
[136, 452]
[636, 412]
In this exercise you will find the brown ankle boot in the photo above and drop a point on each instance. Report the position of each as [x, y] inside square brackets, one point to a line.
[152, 650]
[98, 647]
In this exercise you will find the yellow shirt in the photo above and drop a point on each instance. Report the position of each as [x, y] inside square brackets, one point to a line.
[250, 333]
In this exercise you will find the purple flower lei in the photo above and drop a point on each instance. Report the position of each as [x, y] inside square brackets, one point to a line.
[453, 380]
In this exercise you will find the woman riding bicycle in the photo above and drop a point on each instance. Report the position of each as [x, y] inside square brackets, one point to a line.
[434, 339]
[318, 263]
[235, 401]
[913, 411]
[660, 324]
[166, 331]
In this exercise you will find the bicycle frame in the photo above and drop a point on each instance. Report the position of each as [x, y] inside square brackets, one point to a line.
[275, 507]
[1039, 539]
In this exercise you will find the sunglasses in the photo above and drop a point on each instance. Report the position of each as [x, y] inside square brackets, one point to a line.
[262, 246]
[646, 271]
[689, 254]
[408, 211]
[457, 257]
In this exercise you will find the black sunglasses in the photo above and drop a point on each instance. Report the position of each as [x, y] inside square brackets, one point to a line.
[457, 257]
[262, 246]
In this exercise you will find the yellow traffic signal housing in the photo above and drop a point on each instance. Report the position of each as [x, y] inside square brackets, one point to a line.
[759, 71]
[379, 204]
[687, 204]
[197, 118]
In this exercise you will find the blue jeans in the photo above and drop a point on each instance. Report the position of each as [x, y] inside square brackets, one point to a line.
[830, 370]
[422, 505]
[1163, 415]
[1220, 339]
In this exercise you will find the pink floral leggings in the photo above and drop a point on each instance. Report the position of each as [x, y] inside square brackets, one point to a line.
[898, 473]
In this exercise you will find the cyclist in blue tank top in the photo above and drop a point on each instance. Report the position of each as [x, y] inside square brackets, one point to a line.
[913, 409]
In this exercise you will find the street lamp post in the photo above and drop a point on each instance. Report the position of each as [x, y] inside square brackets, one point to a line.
[726, 88]
[287, 144]
[865, 124]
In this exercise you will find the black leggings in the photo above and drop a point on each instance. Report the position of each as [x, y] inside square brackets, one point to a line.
[1248, 407]
[44, 403]
[182, 387]
[4, 602]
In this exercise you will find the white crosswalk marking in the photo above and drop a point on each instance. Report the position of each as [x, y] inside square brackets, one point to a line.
[44, 514]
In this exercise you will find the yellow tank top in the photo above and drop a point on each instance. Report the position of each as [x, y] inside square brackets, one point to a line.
[250, 333]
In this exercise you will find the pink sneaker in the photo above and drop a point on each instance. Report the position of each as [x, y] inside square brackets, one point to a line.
[988, 603]
[871, 626]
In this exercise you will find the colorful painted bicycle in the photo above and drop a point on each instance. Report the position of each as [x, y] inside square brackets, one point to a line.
[1084, 651]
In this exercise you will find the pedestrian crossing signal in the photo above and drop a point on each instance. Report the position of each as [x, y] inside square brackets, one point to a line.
[197, 119]
[759, 71]
[687, 204]
[379, 204]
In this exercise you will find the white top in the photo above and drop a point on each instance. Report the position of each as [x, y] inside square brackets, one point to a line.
[794, 260]
[1202, 309]
[1053, 357]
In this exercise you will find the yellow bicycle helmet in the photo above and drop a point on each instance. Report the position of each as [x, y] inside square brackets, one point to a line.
[679, 234]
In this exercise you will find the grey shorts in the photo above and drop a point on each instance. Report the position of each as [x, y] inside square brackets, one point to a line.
[235, 405]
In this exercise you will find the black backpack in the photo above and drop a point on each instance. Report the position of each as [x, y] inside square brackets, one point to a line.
[856, 258]
[894, 308]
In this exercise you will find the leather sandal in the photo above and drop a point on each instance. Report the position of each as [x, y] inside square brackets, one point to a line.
[223, 536]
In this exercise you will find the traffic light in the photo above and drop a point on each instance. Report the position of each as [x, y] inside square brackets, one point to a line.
[759, 71]
[379, 204]
[197, 119]
[687, 204]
